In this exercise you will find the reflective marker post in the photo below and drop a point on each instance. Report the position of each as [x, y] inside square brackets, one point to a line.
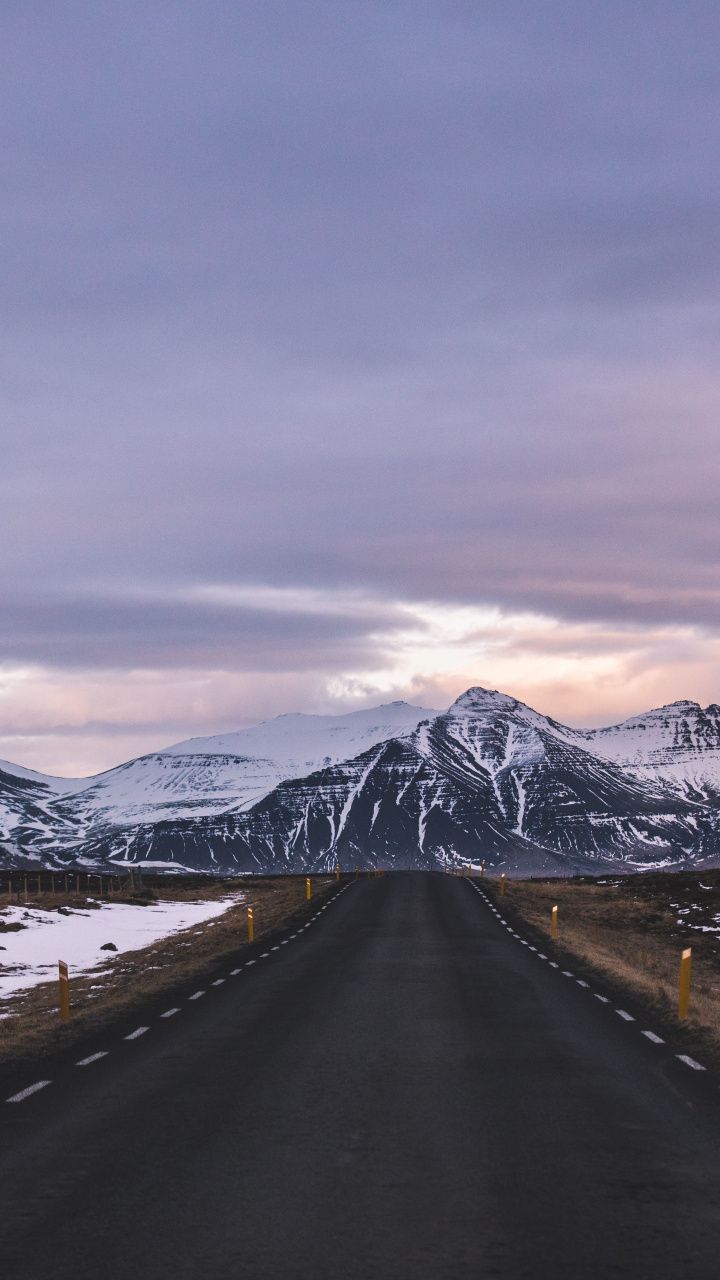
[554, 923]
[503, 880]
[251, 925]
[308, 889]
[685, 972]
[64, 978]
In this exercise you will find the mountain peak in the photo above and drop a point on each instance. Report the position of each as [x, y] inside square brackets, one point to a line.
[477, 694]
[479, 699]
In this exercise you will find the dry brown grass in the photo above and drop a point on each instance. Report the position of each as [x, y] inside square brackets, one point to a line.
[135, 977]
[633, 930]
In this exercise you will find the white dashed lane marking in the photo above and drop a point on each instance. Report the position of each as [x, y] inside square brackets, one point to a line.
[26, 1093]
[690, 1062]
[135, 1035]
[218, 982]
[651, 1036]
[604, 999]
[621, 1013]
[169, 1013]
[94, 1057]
[198, 994]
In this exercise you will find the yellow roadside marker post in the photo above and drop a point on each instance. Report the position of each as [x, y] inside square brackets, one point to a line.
[64, 978]
[337, 870]
[685, 972]
[308, 889]
[251, 925]
[554, 922]
[503, 879]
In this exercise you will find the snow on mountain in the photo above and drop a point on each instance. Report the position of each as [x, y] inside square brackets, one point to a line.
[26, 817]
[301, 743]
[489, 779]
[678, 745]
[56, 786]
[227, 772]
[390, 806]
[548, 788]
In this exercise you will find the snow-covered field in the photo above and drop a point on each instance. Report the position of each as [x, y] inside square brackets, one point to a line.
[30, 956]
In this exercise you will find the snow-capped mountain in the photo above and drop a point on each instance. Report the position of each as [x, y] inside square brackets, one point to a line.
[26, 816]
[678, 744]
[192, 779]
[490, 779]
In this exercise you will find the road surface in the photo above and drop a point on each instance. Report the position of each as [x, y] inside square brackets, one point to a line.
[402, 1090]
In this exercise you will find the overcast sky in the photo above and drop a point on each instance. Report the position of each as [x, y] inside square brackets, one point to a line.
[353, 352]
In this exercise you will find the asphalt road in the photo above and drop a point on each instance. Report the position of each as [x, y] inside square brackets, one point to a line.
[404, 1089]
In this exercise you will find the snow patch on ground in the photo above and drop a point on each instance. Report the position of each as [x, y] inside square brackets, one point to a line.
[31, 955]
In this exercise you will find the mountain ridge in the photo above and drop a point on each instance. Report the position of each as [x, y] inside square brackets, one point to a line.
[491, 778]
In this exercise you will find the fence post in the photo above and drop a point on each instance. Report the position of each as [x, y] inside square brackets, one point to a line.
[64, 980]
[685, 972]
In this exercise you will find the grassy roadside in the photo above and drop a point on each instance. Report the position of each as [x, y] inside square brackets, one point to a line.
[631, 930]
[134, 978]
